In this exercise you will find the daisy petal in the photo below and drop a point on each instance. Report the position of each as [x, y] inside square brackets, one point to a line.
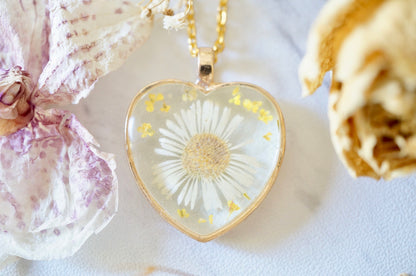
[189, 193]
[230, 180]
[207, 110]
[176, 129]
[170, 142]
[235, 122]
[172, 136]
[189, 117]
[166, 174]
[245, 179]
[245, 159]
[238, 146]
[166, 153]
[179, 184]
[198, 113]
[173, 182]
[243, 166]
[171, 148]
[182, 194]
[194, 195]
[181, 124]
[214, 201]
[215, 114]
[222, 124]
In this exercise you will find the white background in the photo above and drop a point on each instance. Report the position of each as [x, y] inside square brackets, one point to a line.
[316, 220]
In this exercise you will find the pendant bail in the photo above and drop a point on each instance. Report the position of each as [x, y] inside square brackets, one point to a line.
[205, 67]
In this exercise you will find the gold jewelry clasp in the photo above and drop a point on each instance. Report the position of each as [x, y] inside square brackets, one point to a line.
[205, 67]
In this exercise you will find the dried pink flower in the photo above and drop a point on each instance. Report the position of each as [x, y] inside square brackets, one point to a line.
[56, 187]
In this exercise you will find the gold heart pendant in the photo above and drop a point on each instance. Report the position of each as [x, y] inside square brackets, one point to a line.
[205, 156]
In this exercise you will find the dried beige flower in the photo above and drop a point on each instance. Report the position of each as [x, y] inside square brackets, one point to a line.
[176, 22]
[370, 46]
[172, 18]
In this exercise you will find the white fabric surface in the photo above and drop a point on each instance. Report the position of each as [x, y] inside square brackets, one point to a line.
[316, 220]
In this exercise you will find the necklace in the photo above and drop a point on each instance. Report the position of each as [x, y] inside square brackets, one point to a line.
[205, 154]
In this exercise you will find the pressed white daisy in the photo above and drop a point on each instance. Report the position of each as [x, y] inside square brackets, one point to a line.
[203, 162]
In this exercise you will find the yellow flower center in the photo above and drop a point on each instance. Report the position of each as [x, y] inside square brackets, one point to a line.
[205, 155]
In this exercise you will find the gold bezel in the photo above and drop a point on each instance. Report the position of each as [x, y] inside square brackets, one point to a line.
[253, 205]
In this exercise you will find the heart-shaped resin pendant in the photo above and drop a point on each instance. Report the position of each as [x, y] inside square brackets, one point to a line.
[205, 155]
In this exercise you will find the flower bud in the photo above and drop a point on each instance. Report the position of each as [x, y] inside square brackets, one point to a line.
[15, 92]
[370, 47]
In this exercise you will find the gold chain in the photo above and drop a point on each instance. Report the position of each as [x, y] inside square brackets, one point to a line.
[221, 20]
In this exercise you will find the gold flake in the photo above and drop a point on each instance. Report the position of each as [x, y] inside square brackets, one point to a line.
[236, 91]
[236, 100]
[146, 130]
[182, 213]
[246, 196]
[211, 219]
[165, 108]
[267, 136]
[201, 220]
[149, 106]
[155, 98]
[159, 97]
[232, 207]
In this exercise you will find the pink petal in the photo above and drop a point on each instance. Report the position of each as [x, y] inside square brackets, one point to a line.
[24, 31]
[88, 40]
[56, 188]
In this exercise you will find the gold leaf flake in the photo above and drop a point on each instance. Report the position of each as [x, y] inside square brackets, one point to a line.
[201, 220]
[165, 108]
[246, 196]
[235, 100]
[155, 98]
[211, 219]
[152, 98]
[159, 97]
[236, 91]
[267, 136]
[182, 213]
[232, 207]
[149, 106]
